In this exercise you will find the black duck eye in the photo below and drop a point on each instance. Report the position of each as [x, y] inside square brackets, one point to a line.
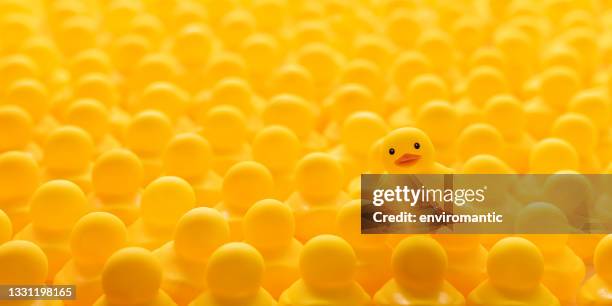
[391, 151]
[417, 145]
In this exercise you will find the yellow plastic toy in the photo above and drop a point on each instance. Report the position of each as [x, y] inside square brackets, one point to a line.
[16, 130]
[323, 63]
[164, 97]
[147, 135]
[24, 263]
[20, 176]
[31, 95]
[95, 237]
[372, 251]
[277, 148]
[564, 271]
[467, 260]
[596, 290]
[244, 184]
[126, 268]
[419, 264]
[93, 117]
[157, 218]
[229, 263]
[55, 207]
[225, 127]
[364, 73]
[262, 54]
[237, 93]
[583, 135]
[342, 102]
[479, 138]
[224, 65]
[440, 121]
[551, 155]
[189, 156]
[482, 83]
[68, 153]
[117, 179]
[292, 79]
[409, 150]
[89, 62]
[327, 269]
[423, 89]
[557, 86]
[515, 268]
[192, 45]
[507, 115]
[97, 86]
[153, 68]
[198, 234]
[269, 226]
[16, 67]
[318, 196]
[299, 116]
[358, 133]
[6, 227]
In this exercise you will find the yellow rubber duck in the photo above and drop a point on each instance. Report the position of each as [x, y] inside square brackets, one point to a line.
[318, 196]
[262, 54]
[483, 83]
[94, 238]
[423, 89]
[409, 150]
[189, 156]
[127, 267]
[583, 135]
[24, 263]
[33, 97]
[507, 114]
[323, 62]
[557, 86]
[269, 226]
[344, 101]
[198, 233]
[232, 261]
[20, 176]
[298, 115]
[68, 154]
[97, 86]
[515, 268]
[373, 254]
[192, 45]
[564, 271]
[596, 290]
[499, 196]
[327, 268]
[16, 130]
[117, 179]
[365, 73]
[467, 260]
[440, 121]
[225, 127]
[50, 227]
[157, 219]
[595, 105]
[6, 227]
[153, 68]
[244, 184]
[238, 93]
[479, 138]
[147, 135]
[419, 264]
[165, 97]
[358, 133]
[292, 79]
[277, 148]
[551, 155]
[94, 118]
